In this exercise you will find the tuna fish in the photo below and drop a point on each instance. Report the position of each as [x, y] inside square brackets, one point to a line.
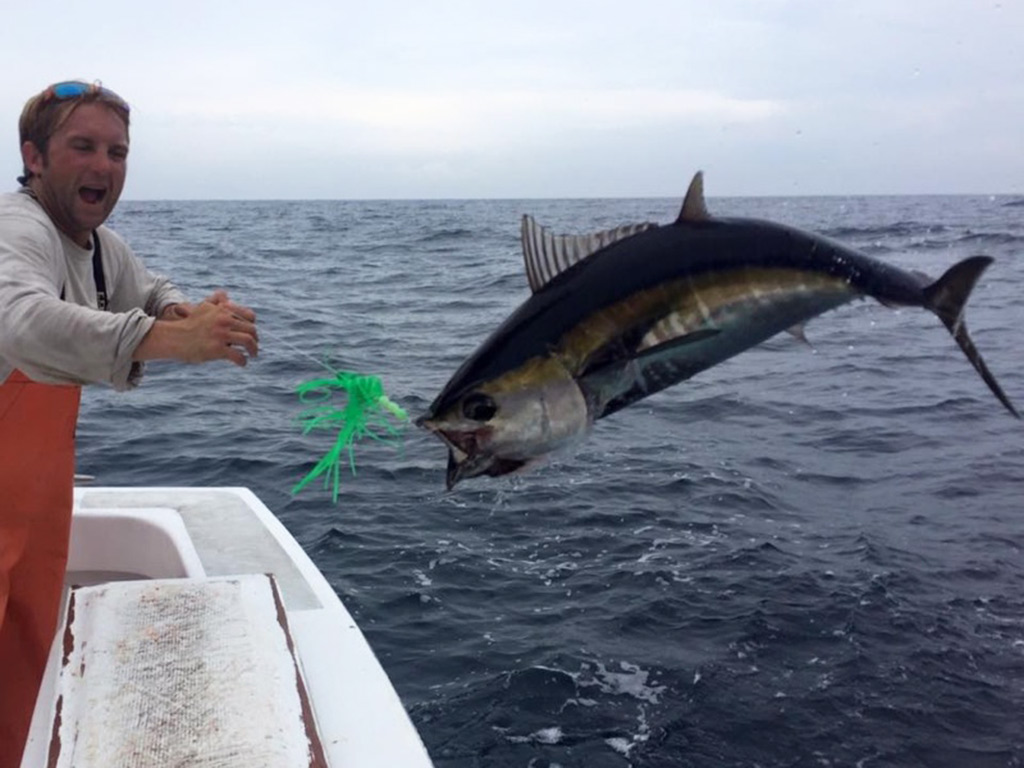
[622, 314]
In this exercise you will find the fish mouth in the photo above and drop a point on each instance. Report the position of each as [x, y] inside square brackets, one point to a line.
[463, 467]
[466, 458]
[465, 442]
[457, 468]
[462, 446]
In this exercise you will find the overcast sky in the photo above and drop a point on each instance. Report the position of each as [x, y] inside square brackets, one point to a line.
[539, 98]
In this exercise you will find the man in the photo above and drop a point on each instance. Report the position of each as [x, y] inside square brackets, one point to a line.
[76, 307]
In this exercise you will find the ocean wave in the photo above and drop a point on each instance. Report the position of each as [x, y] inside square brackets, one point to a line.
[895, 230]
[452, 233]
[989, 238]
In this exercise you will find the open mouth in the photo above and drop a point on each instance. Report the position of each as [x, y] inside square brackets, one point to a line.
[92, 195]
[463, 444]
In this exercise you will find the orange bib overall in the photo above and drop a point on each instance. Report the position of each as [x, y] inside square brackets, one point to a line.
[37, 465]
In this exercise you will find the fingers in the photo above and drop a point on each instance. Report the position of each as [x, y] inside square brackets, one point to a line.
[247, 341]
[243, 312]
[219, 333]
[245, 326]
[237, 332]
[236, 357]
[220, 298]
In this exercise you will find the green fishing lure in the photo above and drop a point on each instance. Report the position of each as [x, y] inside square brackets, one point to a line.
[367, 413]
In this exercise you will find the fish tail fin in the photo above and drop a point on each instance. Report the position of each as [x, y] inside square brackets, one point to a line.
[946, 297]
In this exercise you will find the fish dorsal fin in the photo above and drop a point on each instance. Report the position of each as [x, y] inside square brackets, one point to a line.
[547, 255]
[694, 207]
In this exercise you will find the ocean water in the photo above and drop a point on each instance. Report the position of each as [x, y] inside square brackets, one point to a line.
[806, 556]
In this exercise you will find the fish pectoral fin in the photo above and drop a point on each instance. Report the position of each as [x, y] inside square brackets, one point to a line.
[701, 334]
[623, 352]
[669, 353]
[546, 255]
[615, 384]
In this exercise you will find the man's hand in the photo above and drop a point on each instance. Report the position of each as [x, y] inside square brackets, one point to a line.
[216, 329]
[220, 298]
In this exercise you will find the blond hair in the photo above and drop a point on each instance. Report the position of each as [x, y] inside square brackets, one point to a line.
[47, 111]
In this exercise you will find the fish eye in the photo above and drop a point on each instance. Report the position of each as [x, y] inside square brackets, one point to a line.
[479, 407]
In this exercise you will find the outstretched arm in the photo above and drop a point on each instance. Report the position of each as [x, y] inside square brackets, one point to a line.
[216, 329]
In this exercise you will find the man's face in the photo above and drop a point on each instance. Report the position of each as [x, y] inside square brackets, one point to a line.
[82, 175]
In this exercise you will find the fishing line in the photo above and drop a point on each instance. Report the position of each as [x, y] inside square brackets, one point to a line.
[293, 348]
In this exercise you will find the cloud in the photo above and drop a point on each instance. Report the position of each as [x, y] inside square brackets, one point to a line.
[577, 97]
[457, 121]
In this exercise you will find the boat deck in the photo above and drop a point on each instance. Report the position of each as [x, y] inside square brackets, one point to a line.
[208, 533]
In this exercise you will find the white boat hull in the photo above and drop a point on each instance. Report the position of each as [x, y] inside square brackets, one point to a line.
[196, 533]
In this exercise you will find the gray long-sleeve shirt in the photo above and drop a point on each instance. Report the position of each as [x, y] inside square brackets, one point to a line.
[71, 341]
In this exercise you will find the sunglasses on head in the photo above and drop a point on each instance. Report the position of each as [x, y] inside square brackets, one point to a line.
[73, 89]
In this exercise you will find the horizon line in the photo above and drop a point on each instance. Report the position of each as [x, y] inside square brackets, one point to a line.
[1019, 195]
